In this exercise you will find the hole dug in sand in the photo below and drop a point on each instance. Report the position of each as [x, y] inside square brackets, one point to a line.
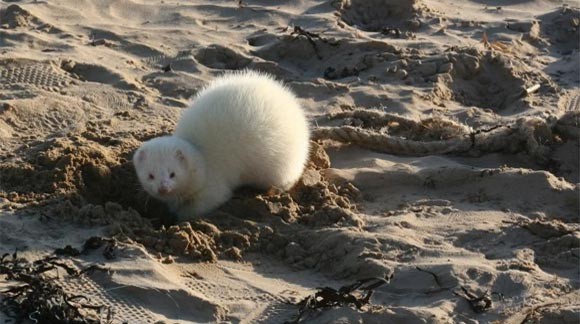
[273, 223]
[85, 169]
[483, 81]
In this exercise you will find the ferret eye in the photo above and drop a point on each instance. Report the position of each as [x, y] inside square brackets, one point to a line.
[172, 175]
[151, 176]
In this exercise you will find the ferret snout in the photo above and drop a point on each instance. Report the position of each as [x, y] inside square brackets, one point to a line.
[162, 190]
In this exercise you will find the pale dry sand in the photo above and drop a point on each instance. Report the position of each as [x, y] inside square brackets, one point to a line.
[82, 84]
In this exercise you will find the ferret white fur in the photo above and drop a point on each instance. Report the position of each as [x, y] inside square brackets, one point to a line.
[244, 128]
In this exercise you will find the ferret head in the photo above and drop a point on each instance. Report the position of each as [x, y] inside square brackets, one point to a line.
[169, 167]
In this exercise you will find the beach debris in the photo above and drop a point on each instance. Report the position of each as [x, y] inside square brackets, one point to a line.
[299, 31]
[391, 31]
[530, 90]
[331, 73]
[436, 135]
[67, 251]
[92, 243]
[96, 242]
[347, 295]
[166, 68]
[100, 42]
[168, 260]
[40, 298]
[495, 45]
[479, 304]
[6, 107]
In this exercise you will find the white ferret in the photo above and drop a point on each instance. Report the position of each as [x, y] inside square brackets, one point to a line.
[244, 128]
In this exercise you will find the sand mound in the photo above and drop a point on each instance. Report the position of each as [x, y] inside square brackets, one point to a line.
[340, 59]
[568, 125]
[487, 81]
[220, 57]
[562, 28]
[183, 63]
[377, 15]
[96, 73]
[175, 85]
[14, 16]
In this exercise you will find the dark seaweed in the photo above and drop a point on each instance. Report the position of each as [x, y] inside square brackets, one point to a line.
[479, 304]
[345, 296]
[299, 31]
[96, 242]
[39, 298]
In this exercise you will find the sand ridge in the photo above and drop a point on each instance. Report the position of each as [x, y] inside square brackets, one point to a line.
[83, 83]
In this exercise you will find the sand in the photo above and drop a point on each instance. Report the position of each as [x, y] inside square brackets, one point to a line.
[83, 83]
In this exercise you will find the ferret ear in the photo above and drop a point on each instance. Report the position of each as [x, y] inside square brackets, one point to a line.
[180, 156]
[141, 155]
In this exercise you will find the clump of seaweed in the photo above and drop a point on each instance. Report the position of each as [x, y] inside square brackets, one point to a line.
[357, 294]
[92, 243]
[40, 298]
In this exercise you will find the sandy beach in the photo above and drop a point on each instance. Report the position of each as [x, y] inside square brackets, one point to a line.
[445, 161]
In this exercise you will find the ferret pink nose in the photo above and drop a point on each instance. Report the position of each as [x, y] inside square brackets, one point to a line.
[163, 190]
